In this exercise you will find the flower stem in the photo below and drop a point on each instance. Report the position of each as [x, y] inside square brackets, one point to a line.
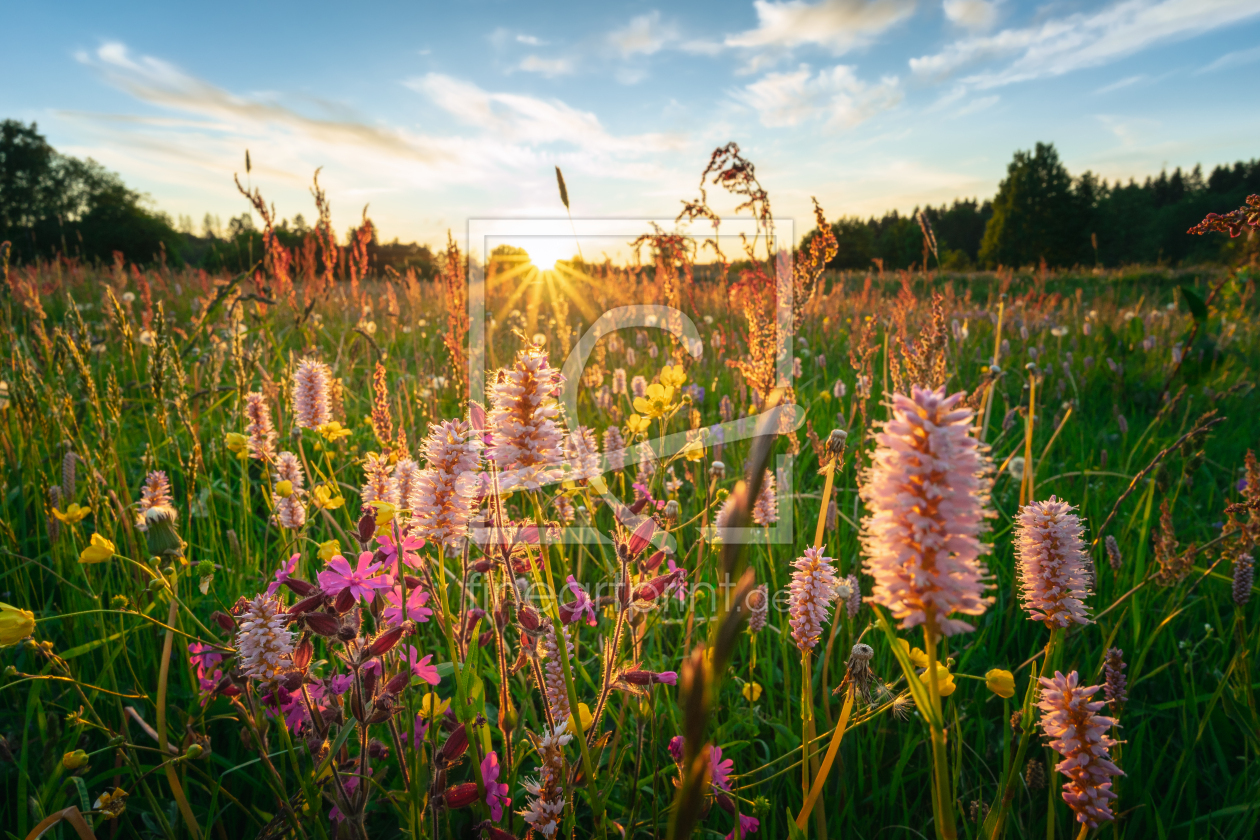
[942, 796]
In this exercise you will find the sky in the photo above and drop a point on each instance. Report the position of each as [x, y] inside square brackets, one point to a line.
[435, 114]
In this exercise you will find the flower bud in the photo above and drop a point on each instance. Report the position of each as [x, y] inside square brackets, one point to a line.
[225, 621]
[322, 623]
[367, 527]
[398, 682]
[74, 760]
[347, 633]
[717, 470]
[652, 589]
[378, 750]
[307, 604]
[345, 600]
[460, 796]
[303, 654]
[194, 752]
[529, 618]
[482, 566]
[385, 642]
[672, 510]
[456, 745]
[652, 563]
[485, 638]
[641, 537]
[301, 587]
[836, 441]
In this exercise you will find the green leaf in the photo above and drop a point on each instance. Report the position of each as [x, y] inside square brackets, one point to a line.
[1194, 303]
[85, 804]
[794, 833]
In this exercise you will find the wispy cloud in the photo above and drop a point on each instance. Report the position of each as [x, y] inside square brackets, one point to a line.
[1128, 81]
[1085, 39]
[644, 35]
[971, 14]
[838, 25]
[1233, 59]
[549, 67]
[837, 96]
[530, 40]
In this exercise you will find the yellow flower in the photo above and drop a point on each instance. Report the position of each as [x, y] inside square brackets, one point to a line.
[944, 679]
[432, 706]
[15, 624]
[587, 719]
[333, 430]
[112, 803]
[329, 550]
[385, 513]
[74, 760]
[917, 656]
[71, 514]
[284, 489]
[636, 424]
[598, 484]
[98, 551]
[673, 376]
[238, 444]
[1001, 683]
[694, 450]
[324, 497]
[657, 401]
[752, 692]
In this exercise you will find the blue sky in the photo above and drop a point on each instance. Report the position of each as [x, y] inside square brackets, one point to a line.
[435, 113]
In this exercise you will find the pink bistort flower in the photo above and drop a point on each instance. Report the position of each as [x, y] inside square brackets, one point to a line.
[1053, 567]
[927, 493]
[1079, 734]
[811, 592]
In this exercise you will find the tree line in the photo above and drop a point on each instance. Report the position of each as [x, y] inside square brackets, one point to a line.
[1041, 212]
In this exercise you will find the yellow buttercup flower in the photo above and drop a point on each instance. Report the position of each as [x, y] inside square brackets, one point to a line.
[237, 443]
[98, 551]
[917, 656]
[324, 497]
[636, 424]
[587, 719]
[72, 514]
[1001, 683]
[694, 450]
[74, 760]
[673, 376]
[385, 513]
[284, 489]
[752, 692]
[333, 430]
[329, 550]
[15, 624]
[944, 679]
[432, 706]
[656, 402]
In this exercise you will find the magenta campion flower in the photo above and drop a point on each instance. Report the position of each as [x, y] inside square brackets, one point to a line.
[582, 605]
[496, 792]
[339, 684]
[389, 546]
[416, 609]
[335, 815]
[203, 657]
[747, 825]
[362, 580]
[421, 667]
[679, 588]
[282, 574]
[719, 770]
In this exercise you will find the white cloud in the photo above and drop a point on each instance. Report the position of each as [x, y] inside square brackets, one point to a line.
[1121, 84]
[1085, 39]
[971, 14]
[1233, 59]
[530, 40]
[836, 24]
[549, 67]
[644, 35]
[836, 95]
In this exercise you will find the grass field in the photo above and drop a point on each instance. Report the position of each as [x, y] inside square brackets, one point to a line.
[1143, 415]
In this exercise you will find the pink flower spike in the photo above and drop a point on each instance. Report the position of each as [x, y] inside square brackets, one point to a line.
[496, 792]
[362, 581]
[282, 574]
[416, 609]
[421, 667]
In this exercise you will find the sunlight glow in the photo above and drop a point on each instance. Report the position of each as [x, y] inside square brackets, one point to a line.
[545, 251]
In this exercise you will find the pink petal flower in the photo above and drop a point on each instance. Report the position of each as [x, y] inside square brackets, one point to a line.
[282, 574]
[421, 667]
[496, 792]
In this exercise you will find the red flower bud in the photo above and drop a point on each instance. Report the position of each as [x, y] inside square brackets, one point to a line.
[482, 566]
[485, 638]
[654, 561]
[385, 642]
[456, 745]
[307, 604]
[413, 582]
[493, 832]
[345, 600]
[292, 681]
[398, 682]
[529, 618]
[652, 590]
[322, 623]
[300, 587]
[641, 537]
[461, 796]
[224, 620]
[637, 507]
[303, 653]
[726, 804]
[367, 527]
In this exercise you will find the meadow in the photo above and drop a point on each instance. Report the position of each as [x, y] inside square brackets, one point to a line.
[268, 571]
